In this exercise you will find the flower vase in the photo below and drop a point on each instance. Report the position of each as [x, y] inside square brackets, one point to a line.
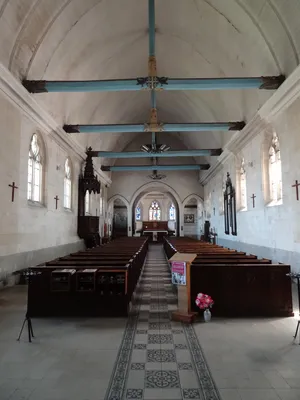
[207, 315]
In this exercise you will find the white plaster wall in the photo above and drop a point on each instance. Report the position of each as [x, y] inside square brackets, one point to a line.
[25, 226]
[269, 231]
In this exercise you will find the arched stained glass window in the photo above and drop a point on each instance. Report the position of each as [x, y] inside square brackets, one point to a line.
[243, 187]
[275, 170]
[154, 211]
[35, 170]
[68, 185]
[172, 213]
[138, 213]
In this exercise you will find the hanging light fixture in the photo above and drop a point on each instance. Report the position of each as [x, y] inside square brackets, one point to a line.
[160, 148]
[156, 177]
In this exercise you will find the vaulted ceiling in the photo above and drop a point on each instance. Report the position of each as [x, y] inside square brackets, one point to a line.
[108, 39]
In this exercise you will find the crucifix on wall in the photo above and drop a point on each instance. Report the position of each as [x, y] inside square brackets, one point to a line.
[13, 187]
[253, 199]
[56, 200]
[296, 185]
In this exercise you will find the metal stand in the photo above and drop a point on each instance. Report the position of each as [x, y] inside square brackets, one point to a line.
[29, 327]
[297, 276]
[27, 316]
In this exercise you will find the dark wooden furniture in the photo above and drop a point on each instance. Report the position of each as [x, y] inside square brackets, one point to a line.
[97, 282]
[241, 285]
[88, 226]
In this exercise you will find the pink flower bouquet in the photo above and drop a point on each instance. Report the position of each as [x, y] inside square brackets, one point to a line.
[204, 301]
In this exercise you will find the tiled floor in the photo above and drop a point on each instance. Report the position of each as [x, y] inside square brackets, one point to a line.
[149, 356]
[163, 359]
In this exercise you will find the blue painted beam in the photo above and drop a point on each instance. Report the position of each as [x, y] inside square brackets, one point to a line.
[104, 128]
[267, 83]
[151, 16]
[141, 154]
[198, 127]
[193, 167]
[205, 126]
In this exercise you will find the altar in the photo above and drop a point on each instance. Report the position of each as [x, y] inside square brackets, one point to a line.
[156, 230]
[157, 235]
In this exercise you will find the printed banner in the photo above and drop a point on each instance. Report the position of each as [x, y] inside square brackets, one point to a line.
[178, 272]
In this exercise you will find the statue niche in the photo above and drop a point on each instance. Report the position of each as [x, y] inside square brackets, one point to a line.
[230, 208]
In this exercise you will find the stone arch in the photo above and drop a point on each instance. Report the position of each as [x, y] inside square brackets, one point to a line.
[199, 214]
[138, 194]
[110, 208]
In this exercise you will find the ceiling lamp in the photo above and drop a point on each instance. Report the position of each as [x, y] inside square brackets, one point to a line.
[160, 148]
[156, 177]
[146, 148]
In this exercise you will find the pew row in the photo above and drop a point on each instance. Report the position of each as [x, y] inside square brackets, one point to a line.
[97, 282]
[241, 285]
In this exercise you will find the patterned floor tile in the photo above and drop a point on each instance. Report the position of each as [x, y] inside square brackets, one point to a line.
[134, 394]
[159, 325]
[161, 356]
[187, 366]
[138, 366]
[160, 306]
[159, 359]
[191, 394]
[181, 346]
[140, 346]
[160, 339]
[159, 315]
[141, 332]
[162, 379]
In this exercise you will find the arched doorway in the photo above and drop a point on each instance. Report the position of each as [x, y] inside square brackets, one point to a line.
[193, 219]
[120, 218]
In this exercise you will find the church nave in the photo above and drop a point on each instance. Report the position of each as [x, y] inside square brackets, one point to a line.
[149, 356]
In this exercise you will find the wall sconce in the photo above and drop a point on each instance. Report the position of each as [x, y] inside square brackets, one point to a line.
[58, 168]
[250, 164]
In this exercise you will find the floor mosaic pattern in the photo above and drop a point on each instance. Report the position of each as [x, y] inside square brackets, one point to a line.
[159, 358]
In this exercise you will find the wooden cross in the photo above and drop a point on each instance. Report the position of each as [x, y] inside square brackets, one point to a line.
[13, 186]
[56, 200]
[297, 188]
[253, 199]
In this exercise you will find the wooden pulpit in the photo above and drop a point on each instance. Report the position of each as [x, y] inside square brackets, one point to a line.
[181, 264]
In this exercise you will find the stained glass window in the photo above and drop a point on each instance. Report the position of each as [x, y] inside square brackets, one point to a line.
[172, 213]
[243, 187]
[275, 170]
[67, 185]
[34, 181]
[154, 211]
[138, 214]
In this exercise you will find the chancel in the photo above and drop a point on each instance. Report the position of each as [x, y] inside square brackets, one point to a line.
[150, 173]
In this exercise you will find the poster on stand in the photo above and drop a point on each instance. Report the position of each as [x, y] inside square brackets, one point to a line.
[178, 273]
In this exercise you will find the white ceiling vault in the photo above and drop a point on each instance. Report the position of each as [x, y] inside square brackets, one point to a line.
[108, 39]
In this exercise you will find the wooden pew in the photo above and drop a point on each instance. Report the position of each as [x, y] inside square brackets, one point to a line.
[240, 284]
[97, 282]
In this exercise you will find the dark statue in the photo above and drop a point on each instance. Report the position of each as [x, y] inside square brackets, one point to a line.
[230, 208]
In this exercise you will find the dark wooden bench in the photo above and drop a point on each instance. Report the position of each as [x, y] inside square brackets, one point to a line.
[240, 284]
[92, 283]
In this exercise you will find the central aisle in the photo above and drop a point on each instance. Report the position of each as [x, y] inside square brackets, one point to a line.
[159, 358]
